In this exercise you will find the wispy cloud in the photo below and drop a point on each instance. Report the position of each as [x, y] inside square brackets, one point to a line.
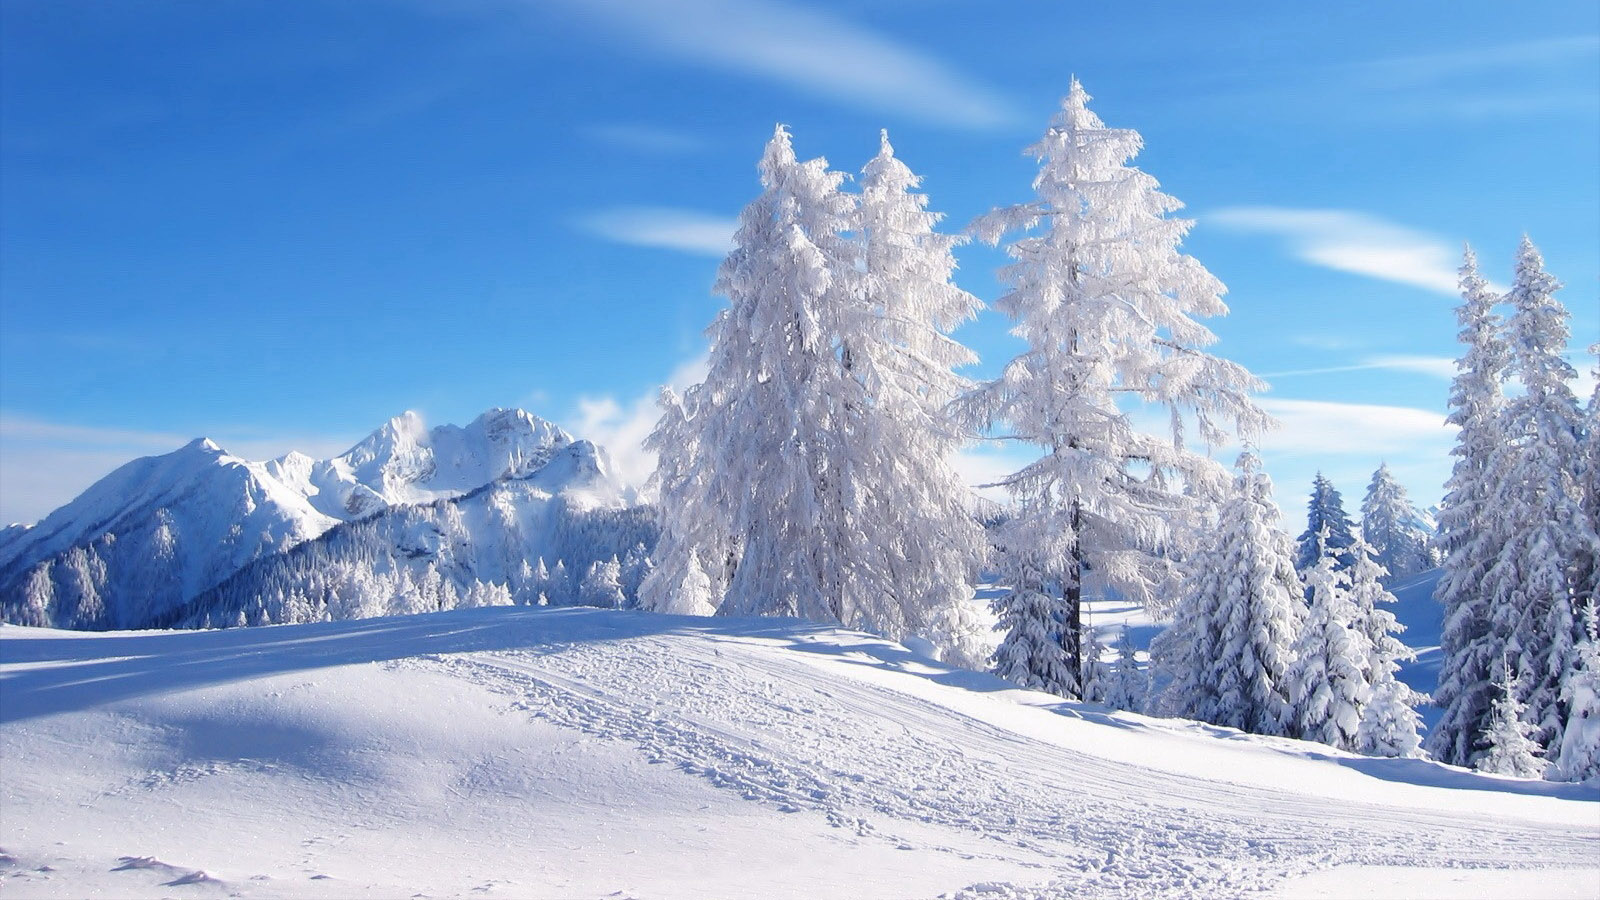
[687, 231]
[1330, 427]
[642, 138]
[1353, 242]
[1434, 67]
[808, 49]
[622, 426]
[1433, 366]
[1346, 442]
[45, 464]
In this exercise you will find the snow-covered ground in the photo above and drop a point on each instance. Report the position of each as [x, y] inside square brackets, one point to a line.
[523, 752]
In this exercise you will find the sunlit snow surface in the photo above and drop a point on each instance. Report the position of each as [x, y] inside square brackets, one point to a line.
[522, 752]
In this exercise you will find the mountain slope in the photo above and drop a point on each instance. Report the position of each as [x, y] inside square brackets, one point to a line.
[472, 550]
[159, 530]
[586, 753]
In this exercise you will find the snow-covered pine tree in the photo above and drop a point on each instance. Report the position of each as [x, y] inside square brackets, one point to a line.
[1539, 524]
[1126, 687]
[1470, 650]
[1106, 303]
[636, 566]
[1229, 647]
[602, 585]
[1327, 684]
[1509, 747]
[1034, 653]
[1095, 676]
[558, 590]
[913, 544]
[1390, 724]
[1579, 756]
[768, 464]
[527, 580]
[1388, 523]
[1389, 720]
[695, 539]
[1327, 526]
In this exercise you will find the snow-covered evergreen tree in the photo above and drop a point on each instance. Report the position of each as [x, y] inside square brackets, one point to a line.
[1579, 756]
[1509, 747]
[770, 467]
[1390, 724]
[1389, 720]
[913, 544]
[1229, 647]
[1032, 617]
[636, 566]
[1538, 522]
[809, 473]
[1107, 306]
[1470, 650]
[1126, 686]
[558, 590]
[602, 585]
[1095, 676]
[1389, 524]
[1327, 684]
[695, 552]
[1327, 526]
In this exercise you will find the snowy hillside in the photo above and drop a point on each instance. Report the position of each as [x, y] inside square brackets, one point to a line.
[587, 753]
[159, 530]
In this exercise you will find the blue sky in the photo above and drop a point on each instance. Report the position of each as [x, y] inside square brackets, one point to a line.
[279, 224]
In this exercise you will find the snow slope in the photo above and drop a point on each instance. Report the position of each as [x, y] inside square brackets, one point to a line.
[159, 530]
[586, 753]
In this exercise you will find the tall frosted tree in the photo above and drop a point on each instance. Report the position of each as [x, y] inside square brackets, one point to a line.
[765, 427]
[1538, 523]
[1327, 526]
[1327, 681]
[1389, 525]
[809, 473]
[915, 545]
[1230, 646]
[1470, 650]
[1107, 305]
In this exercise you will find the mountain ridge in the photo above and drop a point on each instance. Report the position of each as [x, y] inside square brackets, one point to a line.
[159, 530]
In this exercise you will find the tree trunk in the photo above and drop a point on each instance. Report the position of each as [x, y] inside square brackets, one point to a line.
[1072, 626]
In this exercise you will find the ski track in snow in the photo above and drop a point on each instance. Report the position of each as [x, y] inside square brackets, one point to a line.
[882, 763]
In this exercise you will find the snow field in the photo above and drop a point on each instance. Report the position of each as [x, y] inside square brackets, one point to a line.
[561, 753]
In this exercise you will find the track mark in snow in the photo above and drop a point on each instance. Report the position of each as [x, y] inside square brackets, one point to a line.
[881, 763]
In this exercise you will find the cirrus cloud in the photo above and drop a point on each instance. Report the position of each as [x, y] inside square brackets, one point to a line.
[1354, 242]
[804, 48]
[683, 230]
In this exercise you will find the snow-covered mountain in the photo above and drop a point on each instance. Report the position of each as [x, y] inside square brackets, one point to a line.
[560, 753]
[158, 531]
[527, 539]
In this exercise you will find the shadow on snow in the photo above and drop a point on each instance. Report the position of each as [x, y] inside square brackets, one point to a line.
[58, 672]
